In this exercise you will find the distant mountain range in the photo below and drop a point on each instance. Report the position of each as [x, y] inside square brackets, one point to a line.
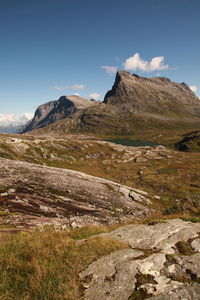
[134, 105]
[9, 128]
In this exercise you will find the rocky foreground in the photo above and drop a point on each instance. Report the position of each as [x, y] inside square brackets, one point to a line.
[43, 191]
[34, 195]
[163, 262]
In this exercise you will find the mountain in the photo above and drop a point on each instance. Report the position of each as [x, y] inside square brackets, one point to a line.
[151, 106]
[53, 111]
[152, 96]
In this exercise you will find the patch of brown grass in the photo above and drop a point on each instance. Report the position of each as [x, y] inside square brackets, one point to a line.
[46, 265]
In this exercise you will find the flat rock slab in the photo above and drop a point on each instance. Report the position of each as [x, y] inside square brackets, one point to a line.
[162, 236]
[67, 195]
[162, 264]
[189, 292]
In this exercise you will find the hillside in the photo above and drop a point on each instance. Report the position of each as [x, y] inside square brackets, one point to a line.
[89, 219]
[171, 176]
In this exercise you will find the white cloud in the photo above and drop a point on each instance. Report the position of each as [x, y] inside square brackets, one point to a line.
[110, 70]
[75, 87]
[135, 62]
[7, 119]
[193, 88]
[94, 95]
[28, 116]
[60, 87]
[76, 94]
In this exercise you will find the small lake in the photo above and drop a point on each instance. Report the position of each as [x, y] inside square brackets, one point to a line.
[133, 143]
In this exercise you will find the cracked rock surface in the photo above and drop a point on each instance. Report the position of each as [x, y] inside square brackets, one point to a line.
[34, 195]
[163, 262]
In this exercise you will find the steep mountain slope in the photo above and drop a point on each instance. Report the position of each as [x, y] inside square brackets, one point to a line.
[136, 104]
[53, 111]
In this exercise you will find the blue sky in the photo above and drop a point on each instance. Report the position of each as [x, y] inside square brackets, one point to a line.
[50, 48]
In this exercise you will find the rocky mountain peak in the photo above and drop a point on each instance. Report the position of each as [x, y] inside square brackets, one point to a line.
[123, 81]
[143, 93]
[76, 100]
[53, 111]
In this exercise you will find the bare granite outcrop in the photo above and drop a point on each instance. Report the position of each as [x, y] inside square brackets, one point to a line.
[39, 195]
[163, 263]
